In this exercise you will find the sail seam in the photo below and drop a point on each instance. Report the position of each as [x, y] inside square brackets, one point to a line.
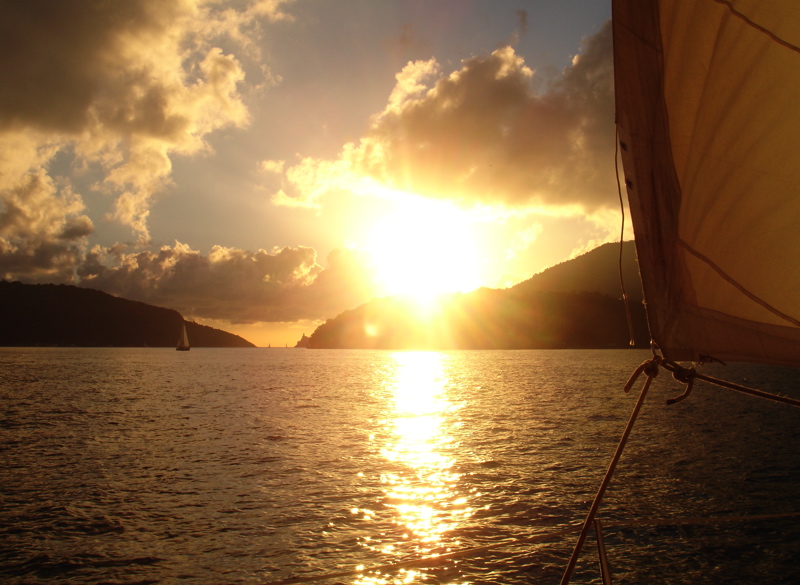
[757, 26]
[753, 297]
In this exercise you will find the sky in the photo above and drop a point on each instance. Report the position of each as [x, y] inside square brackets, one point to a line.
[263, 165]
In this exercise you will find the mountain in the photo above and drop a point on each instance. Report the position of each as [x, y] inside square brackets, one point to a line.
[572, 305]
[63, 315]
[597, 271]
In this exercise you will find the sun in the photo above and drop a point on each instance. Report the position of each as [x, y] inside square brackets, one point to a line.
[425, 248]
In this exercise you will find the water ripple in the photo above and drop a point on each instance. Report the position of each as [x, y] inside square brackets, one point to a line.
[248, 466]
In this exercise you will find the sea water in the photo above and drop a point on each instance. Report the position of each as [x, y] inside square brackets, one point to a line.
[279, 465]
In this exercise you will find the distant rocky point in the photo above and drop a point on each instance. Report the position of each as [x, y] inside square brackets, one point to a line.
[63, 315]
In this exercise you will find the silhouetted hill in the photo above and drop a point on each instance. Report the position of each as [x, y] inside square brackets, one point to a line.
[49, 314]
[559, 308]
[486, 319]
[596, 271]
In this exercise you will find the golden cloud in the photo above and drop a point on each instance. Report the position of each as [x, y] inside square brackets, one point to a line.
[482, 135]
[123, 85]
[42, 230]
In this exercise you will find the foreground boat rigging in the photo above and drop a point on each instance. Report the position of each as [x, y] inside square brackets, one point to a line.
[683, 375]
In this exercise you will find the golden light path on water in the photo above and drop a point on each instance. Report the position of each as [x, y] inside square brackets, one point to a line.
[423, 490]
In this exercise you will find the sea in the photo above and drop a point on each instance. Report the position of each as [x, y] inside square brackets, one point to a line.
[276, 466]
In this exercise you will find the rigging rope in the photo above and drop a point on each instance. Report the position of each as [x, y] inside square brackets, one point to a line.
[632, 341]
[688, 375]
[650, 368]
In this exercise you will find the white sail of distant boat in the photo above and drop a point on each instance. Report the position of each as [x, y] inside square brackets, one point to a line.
[183, 341]
[707, 95]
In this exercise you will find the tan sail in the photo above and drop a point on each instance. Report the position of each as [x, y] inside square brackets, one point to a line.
[707, 96]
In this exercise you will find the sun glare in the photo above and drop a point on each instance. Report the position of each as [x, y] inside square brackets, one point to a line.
[425, 248]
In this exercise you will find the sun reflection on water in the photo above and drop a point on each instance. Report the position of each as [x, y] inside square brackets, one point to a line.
[420, 485]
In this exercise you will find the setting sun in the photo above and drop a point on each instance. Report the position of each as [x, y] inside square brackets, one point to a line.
[424, 249]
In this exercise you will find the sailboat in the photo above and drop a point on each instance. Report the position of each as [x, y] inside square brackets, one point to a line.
[707, 95]
[183, 340]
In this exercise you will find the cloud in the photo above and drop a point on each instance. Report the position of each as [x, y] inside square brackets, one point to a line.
[306, 182]
[285, 284]
[481, 135]
[122, 87]
[410, 82]
[117, 90]
[42, 231]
